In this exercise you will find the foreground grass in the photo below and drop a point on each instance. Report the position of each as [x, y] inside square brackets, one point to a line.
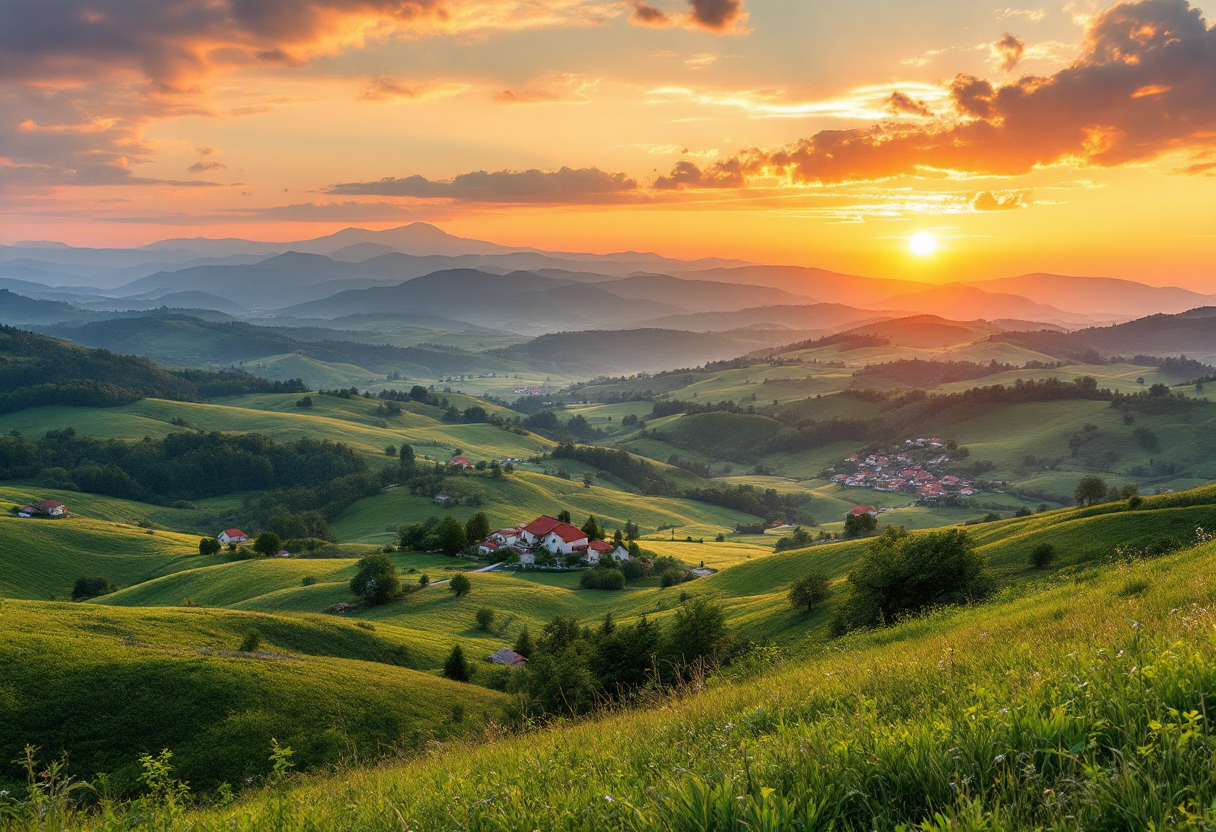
[1080, 703]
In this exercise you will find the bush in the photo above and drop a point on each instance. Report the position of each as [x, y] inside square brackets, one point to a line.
[901, 574]
[609, 578]
[485, 619]
[1042, 555]
[268, 544]
[252, 642]
[460, 585]
[809, 591]
[376, 581]
[455, 667]
[95, 587]
[209, 546]
[857, 525]
[308, 580]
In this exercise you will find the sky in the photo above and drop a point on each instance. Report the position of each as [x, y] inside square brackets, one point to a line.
[1074, 137]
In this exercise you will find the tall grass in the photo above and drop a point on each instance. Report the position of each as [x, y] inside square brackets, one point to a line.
[1075, 706]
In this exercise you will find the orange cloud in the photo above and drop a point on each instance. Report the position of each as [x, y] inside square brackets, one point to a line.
[720, 16]
[1007, 53]
[565, 186]
[1087, 113]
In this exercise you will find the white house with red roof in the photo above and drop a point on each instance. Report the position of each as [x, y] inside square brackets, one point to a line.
[564, 539]
[460, 462]
[504, 537]
[860, 510]
[487, 547]
[232, 536]
[52, 508]
[535, 531]
[597, 549]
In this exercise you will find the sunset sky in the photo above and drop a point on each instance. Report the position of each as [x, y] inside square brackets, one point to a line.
[1075, 137]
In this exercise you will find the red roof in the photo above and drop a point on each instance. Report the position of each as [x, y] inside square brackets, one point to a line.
[568, 533]
[235, 533]
[542, 525]
[600, 546]
[50, 504]
[459, 460]
[863, 510]
[506, 532]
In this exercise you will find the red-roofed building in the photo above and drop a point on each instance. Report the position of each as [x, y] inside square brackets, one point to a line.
[535, 531]
[597, 549]
[564, 538]
[860, 510]
[460, 462]
[52, 508]
[232, 536]
[504, 537]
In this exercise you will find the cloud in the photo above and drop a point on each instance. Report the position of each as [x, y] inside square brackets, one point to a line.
[562, 87]
[1029, 15]
[902, 104]
[1007, 53]
[202, 167]
[560, 187]
[718, 16]
[205, 151]
[645, 14]
[990, 201]
[727, 174]
[1093, 112]
[380, 90]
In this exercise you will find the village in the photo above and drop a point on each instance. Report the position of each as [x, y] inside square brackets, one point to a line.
[552, 541]
[913, 468]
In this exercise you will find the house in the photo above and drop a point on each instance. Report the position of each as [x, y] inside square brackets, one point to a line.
[52, 508]
[232, 536]
[504, 537]
[564, 538]
[460, 462]
[508, 657]
[535, 531]
[621, 553]
[28, 511]
[442, 499]
[860, 510]
[487, 547]
[597, 549]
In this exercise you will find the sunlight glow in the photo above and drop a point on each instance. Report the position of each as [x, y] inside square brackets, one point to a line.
[922, 244]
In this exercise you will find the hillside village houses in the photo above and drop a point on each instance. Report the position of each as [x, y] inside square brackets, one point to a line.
[47, 508]
[556, 537]
[899, 471]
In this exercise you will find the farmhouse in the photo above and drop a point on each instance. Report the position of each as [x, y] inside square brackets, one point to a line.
[460, 462]
[52, 508]
[504, 537]
[232, 536]
[597, 549]
[442, 499]
[535, 531]
[860, 510]
[487, 547]
[508, 657]
[564, 538]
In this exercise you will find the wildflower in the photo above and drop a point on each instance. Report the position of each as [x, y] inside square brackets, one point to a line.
[609, 798]
[1000, 758]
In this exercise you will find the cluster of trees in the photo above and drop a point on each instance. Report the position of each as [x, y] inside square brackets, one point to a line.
[572, 669]
[1094, 490]
[443, 534]
[921, 373]
[181, 466]
[40, 371]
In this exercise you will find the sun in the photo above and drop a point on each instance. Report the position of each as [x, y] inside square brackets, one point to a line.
[922, 243]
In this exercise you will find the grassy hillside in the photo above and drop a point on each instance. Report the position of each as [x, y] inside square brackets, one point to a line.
[1077, 703]
[130, 682]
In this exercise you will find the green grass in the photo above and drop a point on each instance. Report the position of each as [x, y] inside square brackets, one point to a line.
[107, 684]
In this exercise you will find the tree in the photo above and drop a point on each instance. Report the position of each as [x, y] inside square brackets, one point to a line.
[86, 588]
[477, 528]
[1090, 490]
[450, 536]
[1042, 555]
[405, 461]
[423, 580]
[267, 544]
[809, 591]
[592, 529]
[523, 643]
[252, 642]
[376, 580]
[1146, 439]
[632, 531]
[563, 515]
[800, 539]
[485, 619]
[857, 525]
[304, 402]
[698, 631]
[902, 573]
[209, 546]
[455, 667]
[460, 585]
[390, 450]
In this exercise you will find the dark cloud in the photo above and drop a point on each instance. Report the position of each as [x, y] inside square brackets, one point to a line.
[1144, 85]
[645, 14]
[202, 167]
[903, 104]
[989, 201]
[1007, 53]
[564, 186]
[716, 15]
[728, 174]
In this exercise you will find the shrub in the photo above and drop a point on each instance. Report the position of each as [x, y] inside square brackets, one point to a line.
[95, 587]
[1042, 555]
[485, 619]
[1090, 490]
[609, 578]
[267, 544]
[809, 591]
[455, 667]
[376, 581]
[902, 573]
[857, 525]
[252, 642]
[460, 585]
[209, 546]
[308, 580]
